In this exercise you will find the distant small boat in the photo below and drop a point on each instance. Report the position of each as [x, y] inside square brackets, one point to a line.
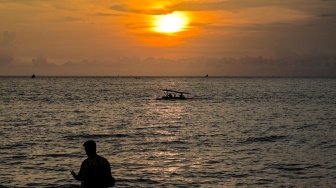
[169, 95]
[33, 76]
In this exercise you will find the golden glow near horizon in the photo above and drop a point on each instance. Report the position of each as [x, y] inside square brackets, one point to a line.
[171, 23]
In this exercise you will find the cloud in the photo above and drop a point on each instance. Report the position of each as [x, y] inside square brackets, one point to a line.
[188, 6]
[106, 14]
[237, 5]
[42, 62]
[285, 63]
[127, 9]
[228, 5]
[67, 19]
[327, 15]
[7, 47]
[39, 4]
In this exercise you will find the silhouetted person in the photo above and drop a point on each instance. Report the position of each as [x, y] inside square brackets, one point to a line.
[181, 96]
[95, 171]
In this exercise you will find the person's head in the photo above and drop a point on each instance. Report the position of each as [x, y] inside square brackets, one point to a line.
[90, 148]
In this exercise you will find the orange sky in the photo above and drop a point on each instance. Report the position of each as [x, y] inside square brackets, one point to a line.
[121, 37]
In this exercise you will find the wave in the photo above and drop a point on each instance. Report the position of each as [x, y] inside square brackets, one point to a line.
[272, 138]
[94, 136]
[294, 167]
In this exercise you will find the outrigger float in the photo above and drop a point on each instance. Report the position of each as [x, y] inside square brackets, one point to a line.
[173, 95]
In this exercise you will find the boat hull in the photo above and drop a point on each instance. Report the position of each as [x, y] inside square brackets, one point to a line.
[171, 98]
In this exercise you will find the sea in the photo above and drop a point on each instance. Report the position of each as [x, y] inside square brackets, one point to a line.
[230, 132]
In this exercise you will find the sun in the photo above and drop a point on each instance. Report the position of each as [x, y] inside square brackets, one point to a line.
[171, 23]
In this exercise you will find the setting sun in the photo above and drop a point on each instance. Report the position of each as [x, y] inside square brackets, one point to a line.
[171, 23]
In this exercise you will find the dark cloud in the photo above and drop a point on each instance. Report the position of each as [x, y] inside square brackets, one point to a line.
[120, 7]
[285, 63]
[59, 5]
[229, 5]
[7, 47]
[183, 6]
[322, 8]
[106, 14]
[318, 33]
[289, 64]
[327, 15]
[42, 62]
[125, 8]
[67, 19]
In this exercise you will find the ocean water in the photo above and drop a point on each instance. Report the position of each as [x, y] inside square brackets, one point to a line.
[234, 132]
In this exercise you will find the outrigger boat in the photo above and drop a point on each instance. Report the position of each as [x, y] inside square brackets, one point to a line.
[173, 95]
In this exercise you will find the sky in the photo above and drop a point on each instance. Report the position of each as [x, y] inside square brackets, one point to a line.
[168, 38]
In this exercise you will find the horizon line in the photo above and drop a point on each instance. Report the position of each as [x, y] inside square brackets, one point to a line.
[135, 77]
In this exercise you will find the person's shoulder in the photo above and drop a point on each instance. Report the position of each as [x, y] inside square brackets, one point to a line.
[103, 159]
[85, 162]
